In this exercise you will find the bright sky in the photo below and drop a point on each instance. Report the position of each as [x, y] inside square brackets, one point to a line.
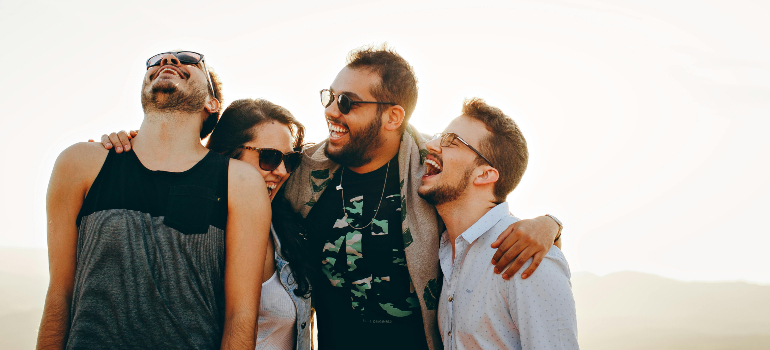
[646, 121]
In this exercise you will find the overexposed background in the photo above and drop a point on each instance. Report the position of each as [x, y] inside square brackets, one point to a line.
[646, 121]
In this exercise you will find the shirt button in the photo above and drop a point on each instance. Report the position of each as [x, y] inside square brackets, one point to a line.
[449, 334]
[450, 299]
[304, 324]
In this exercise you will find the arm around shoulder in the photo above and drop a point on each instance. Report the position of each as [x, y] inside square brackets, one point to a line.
[248, 228]
[73, 173]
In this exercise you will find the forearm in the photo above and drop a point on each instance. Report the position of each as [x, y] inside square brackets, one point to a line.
[54, 327]
[239, 332]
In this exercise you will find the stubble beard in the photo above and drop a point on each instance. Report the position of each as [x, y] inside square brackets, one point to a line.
[361, 147]
[445, 193]
[164, 96]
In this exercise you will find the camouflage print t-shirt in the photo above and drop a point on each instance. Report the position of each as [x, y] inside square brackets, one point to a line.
[363, 294]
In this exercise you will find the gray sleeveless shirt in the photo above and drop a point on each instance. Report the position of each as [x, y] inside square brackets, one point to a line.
[151, 257]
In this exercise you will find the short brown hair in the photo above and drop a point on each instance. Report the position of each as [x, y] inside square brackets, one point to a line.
[398, 84]
[505, 146]
[211, 121]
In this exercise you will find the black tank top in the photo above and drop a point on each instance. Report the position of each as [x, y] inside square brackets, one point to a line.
[151, 257]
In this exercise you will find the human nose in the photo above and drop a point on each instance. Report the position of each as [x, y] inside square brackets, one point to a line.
[434, 145]
[280, 171]
[169, 59]
[332, 111]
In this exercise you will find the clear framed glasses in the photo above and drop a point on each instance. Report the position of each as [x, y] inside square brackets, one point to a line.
[448, 137]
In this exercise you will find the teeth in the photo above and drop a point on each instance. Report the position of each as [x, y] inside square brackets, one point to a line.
[433, 163]
[272, 186]
[335, 128]
[169, 70]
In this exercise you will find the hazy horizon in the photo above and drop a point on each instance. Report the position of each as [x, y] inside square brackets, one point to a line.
[622, 310]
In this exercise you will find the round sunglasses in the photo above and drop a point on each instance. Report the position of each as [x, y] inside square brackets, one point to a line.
[270, 158]
[344, 103]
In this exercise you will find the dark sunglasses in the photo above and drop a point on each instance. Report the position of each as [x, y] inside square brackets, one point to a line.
[270, 159]
[344, 103]
[184, 57]
[448, 137]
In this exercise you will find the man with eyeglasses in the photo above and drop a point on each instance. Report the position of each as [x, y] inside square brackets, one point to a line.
[377, 241]
[137, 242]
[468, 178]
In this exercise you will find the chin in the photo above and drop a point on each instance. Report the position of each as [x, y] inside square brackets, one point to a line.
[334, 149]
[425, 193]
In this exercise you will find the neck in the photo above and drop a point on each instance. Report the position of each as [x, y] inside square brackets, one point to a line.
[384, 154]
[169, 141]
[461, 214]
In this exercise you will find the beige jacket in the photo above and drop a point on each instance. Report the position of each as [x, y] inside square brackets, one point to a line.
[420, 222]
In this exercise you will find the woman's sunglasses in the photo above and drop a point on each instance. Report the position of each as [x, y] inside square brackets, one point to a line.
[270, 159]
[344, 103]
[184, 57]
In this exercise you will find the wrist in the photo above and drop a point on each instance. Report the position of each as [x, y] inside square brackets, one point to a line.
[558, 223]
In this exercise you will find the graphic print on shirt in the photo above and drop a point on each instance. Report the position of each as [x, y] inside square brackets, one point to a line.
[371, 288]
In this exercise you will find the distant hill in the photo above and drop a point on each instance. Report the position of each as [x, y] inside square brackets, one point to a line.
[620, 311]
[631, 310]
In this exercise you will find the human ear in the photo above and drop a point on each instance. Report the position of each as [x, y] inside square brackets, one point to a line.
[212, 105]
[394, 117]
[489, 175]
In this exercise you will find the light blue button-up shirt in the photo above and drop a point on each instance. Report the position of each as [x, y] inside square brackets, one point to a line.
[480, 310]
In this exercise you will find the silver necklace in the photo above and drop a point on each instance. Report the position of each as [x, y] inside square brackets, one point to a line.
[339, 187]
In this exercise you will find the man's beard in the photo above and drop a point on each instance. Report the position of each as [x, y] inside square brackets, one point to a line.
[165, 96]
[445, 193]
[361, 146]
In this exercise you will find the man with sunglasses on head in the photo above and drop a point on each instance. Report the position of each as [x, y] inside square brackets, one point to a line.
[376, 240]
[468, 178]
[138, 242]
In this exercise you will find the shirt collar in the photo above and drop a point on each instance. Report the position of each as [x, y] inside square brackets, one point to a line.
[485, 223]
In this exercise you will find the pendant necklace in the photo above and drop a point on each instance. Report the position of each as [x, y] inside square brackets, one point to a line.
[378, 205]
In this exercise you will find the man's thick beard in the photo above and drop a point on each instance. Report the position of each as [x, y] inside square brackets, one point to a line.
[165, 97]
[361, 147]
[445, 193]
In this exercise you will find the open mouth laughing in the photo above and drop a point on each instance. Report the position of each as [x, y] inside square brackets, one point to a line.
[170, 70]
[271, 188]
[432, 166]
[337, 131]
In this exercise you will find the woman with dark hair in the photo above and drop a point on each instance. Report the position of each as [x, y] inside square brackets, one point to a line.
[268, 137]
